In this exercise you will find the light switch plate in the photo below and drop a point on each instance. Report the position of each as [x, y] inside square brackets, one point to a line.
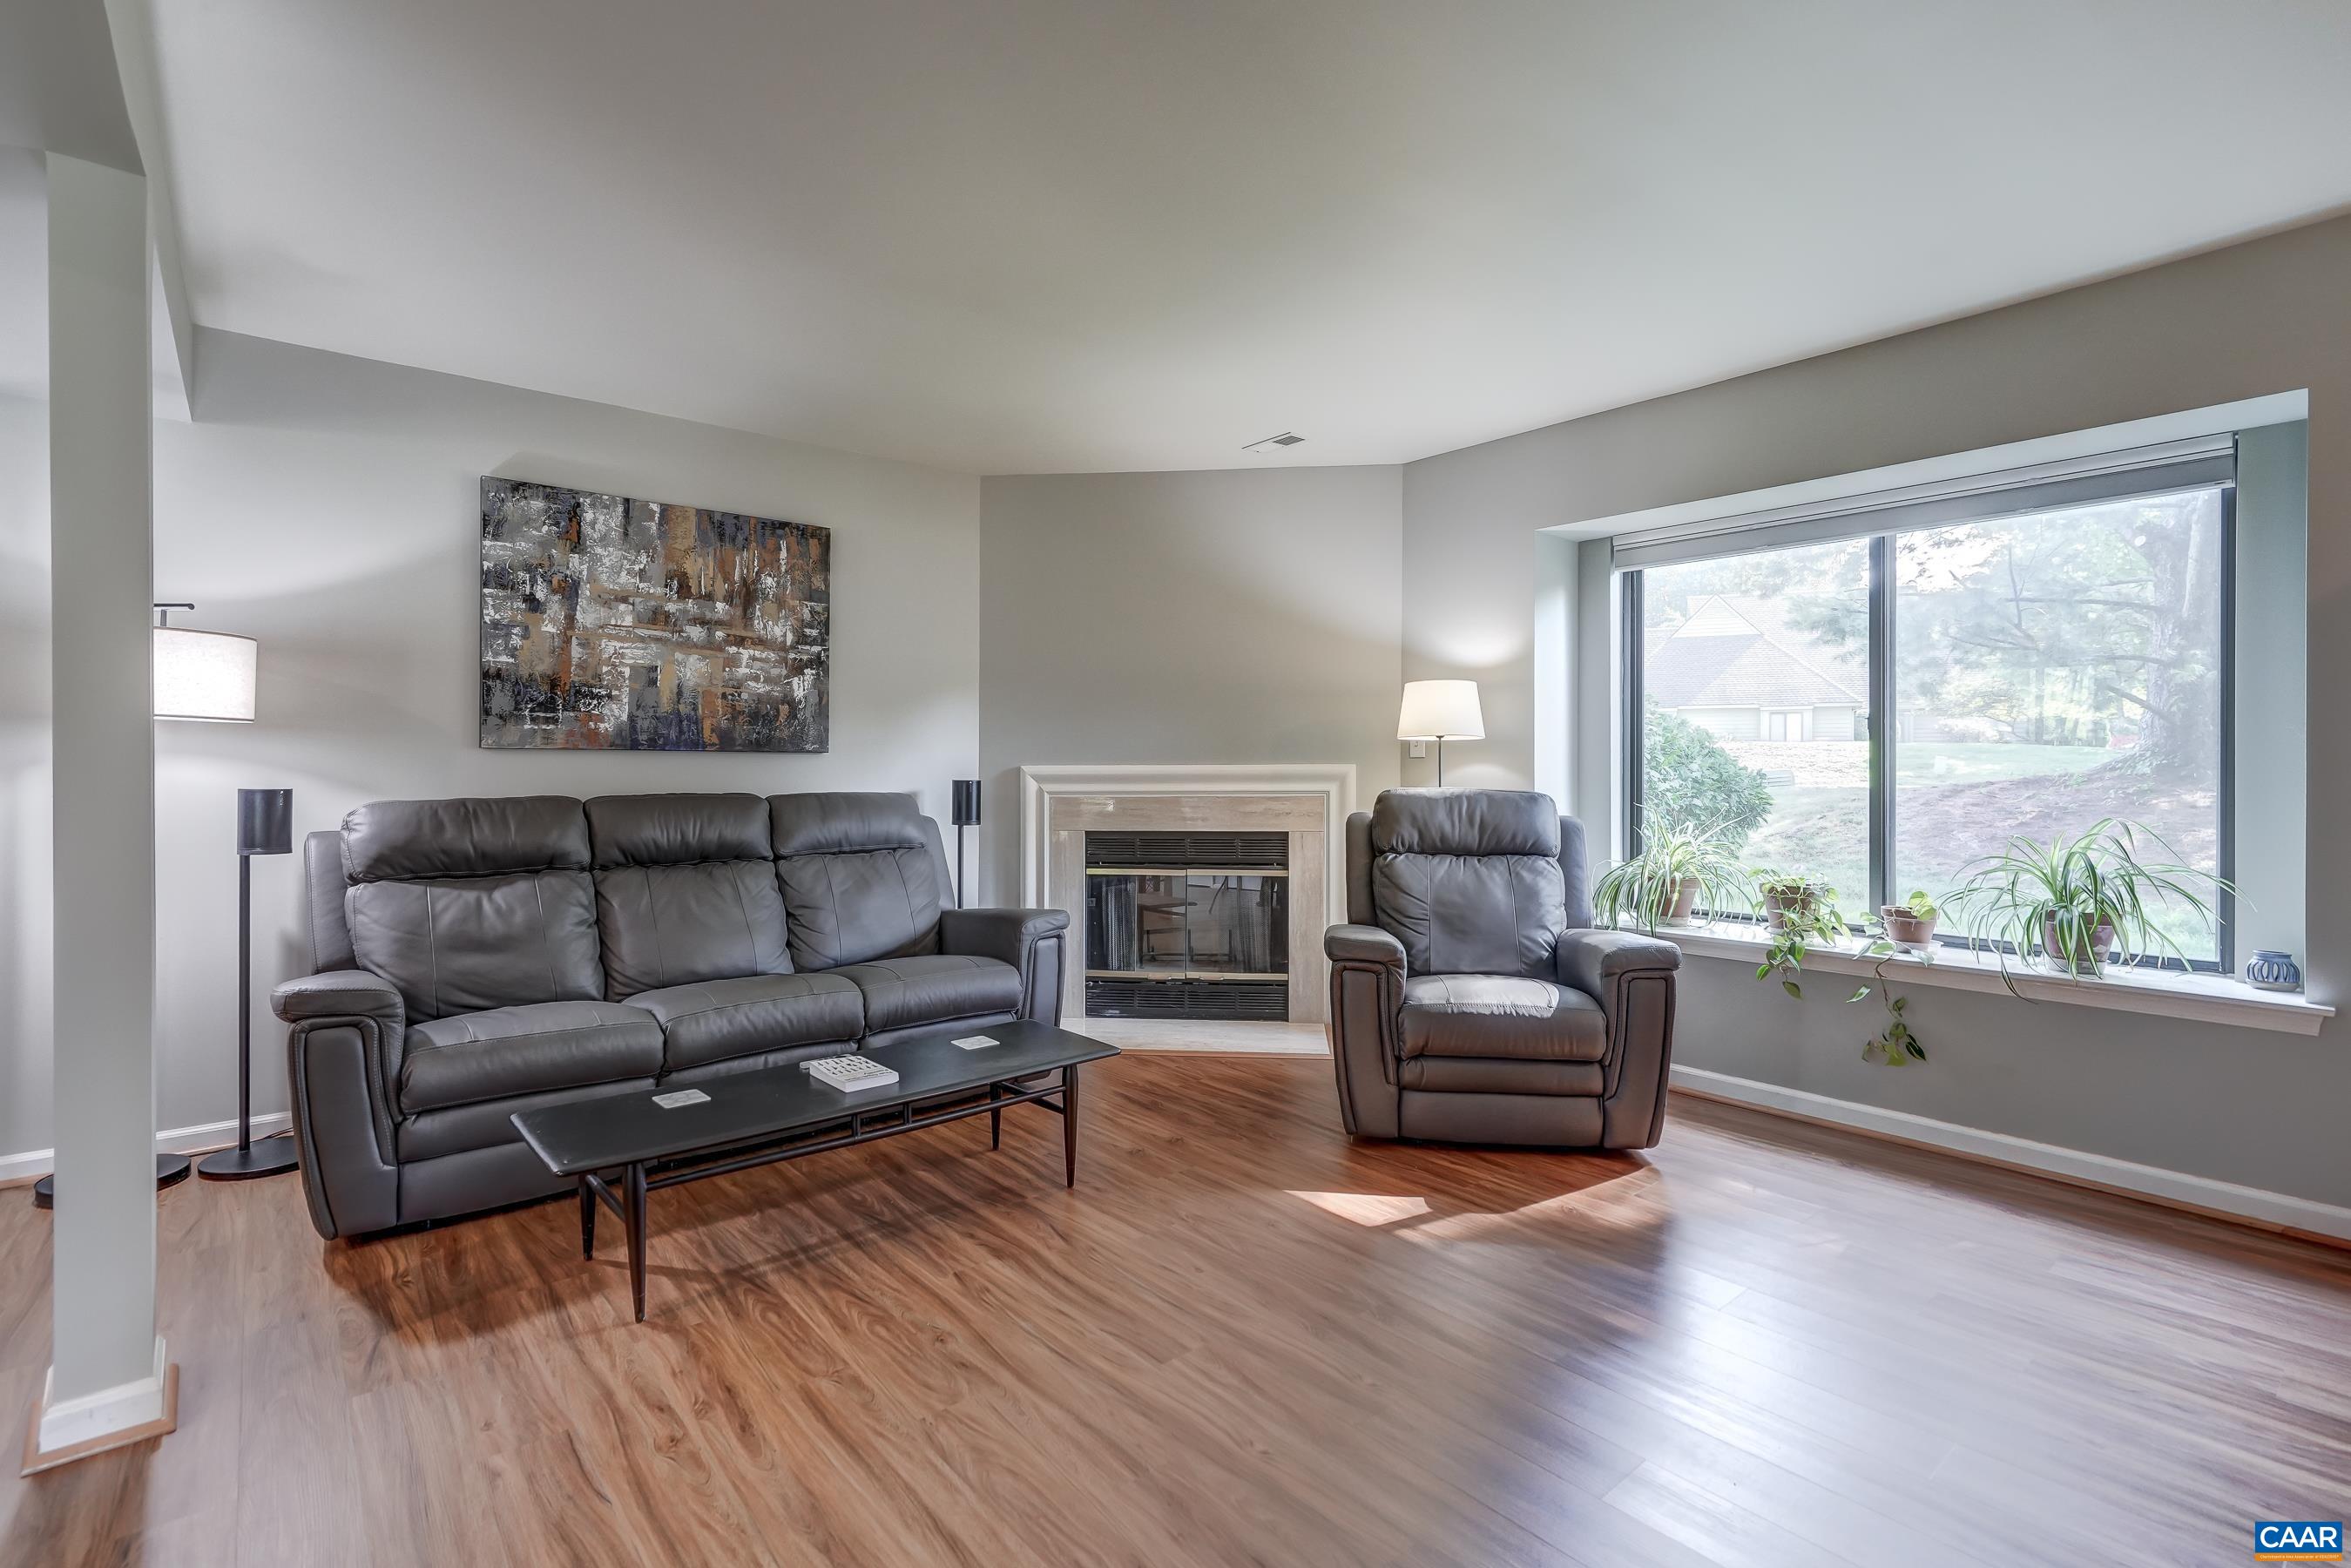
[1420, 749]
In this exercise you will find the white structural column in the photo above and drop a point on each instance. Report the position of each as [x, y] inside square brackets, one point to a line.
[106, 1373]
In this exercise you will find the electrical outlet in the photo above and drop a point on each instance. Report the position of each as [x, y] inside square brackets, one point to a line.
[1420, 749]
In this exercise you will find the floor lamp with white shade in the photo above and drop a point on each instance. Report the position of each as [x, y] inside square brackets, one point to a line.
[1440, 711]
[211, 677]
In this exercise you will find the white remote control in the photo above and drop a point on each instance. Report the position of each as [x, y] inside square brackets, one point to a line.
[848, 1072]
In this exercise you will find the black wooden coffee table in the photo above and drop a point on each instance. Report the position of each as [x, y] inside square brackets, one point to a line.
[626, 1145]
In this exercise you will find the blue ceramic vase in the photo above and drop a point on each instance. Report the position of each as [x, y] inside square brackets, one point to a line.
[2273, 971]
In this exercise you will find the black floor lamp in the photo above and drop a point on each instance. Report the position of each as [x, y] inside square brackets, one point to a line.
[966, 814]
[264, 826]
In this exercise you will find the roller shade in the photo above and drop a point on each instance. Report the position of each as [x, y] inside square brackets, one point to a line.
[2162, 470]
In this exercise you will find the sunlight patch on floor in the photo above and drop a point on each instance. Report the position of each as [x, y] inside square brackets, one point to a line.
[1367, 1208]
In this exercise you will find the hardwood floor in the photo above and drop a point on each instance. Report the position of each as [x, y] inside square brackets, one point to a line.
[1240, 1340]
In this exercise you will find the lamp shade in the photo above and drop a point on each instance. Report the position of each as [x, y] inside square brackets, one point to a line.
[1446, 708]
[204, 674]
[264, 821]
[966, 803]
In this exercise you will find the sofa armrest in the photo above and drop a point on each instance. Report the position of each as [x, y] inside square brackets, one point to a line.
[1362, 945]
[1032, 941]
[1590, 961]
[343, 1039]
[339, 993]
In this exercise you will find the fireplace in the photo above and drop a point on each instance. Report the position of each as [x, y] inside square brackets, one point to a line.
[1188, 924]
[1306, 803]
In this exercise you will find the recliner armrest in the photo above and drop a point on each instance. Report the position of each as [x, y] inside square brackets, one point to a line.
[1362, 945]
[1590, 961]
[339, 993]
[1005, 934]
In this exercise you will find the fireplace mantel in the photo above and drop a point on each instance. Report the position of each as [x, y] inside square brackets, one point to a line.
[1309, 800]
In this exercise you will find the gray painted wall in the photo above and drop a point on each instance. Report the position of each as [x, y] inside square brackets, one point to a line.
[2266, 317]
[1234, 616]
[330, 506]
[25, 830]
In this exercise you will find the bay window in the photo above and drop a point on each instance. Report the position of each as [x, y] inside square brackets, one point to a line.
[1878, 694]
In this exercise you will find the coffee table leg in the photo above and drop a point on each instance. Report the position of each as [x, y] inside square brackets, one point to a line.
[635, 1205]
[1070, 1124]
[587, 1219]
[995, 1119]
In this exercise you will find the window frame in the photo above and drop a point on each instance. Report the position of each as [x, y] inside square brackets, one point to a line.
[1882, 739]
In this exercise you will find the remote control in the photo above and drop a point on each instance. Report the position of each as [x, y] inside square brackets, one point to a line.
[848, 1072]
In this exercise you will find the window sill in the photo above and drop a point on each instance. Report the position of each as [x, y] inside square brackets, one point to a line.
[2208, 998]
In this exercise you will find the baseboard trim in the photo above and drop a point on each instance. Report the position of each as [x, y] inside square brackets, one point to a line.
[201, 1138]
[68, 1429]
[2272, 1211]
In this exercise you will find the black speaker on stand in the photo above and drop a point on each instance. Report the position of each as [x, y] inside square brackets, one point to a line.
[965, 814]
[264, 826]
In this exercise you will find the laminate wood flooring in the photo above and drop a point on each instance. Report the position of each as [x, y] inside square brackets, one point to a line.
[1240, 1340]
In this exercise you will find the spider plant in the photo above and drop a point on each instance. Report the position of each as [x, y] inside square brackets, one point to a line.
[2079, 900]
[1678, 868]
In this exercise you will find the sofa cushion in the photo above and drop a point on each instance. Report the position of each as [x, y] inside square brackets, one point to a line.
[485, 836]
[488, 1055]
[463, 944]
[714, 1019]
[932, 987]
[676, 830]
[1504, 1016]
[684, 891]
[859, 878]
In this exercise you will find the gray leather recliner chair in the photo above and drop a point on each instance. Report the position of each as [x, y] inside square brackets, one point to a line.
[1470, 999]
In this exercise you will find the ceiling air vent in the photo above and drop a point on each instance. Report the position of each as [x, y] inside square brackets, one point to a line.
[1287, 438]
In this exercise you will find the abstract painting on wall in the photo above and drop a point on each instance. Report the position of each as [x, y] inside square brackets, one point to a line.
[609, 623]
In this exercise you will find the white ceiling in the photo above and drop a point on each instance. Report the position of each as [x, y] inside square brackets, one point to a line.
[1065, 234]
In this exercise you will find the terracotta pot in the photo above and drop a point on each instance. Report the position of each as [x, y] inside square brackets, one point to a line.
[1904, 929]
[2102, 943]
[1779, 906]
[1685, 900]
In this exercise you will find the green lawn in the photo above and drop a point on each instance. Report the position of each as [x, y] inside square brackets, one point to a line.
[1956, 802]
[1948, 762]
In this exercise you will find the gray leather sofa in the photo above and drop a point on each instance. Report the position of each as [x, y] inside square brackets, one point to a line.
[1470, 999]
[476, 957]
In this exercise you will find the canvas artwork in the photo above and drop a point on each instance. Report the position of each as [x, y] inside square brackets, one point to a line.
[610, 622]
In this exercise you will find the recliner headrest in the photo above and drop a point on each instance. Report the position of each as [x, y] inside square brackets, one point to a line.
[392, 840]
[676, 830]
[1465, 822]
[843, 822]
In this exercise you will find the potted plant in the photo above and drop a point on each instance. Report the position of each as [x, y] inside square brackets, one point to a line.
[2079, 902]
[1790, 899]
[1798, 914]
[1677, 867]
[1910, 925]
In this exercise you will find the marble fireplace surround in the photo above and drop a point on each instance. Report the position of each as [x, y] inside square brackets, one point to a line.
[1309, 801]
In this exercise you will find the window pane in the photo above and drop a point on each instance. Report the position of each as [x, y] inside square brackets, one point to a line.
[1755, 680]
[2053, 669]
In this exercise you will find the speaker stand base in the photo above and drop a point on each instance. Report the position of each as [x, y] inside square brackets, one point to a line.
[171, 1170]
